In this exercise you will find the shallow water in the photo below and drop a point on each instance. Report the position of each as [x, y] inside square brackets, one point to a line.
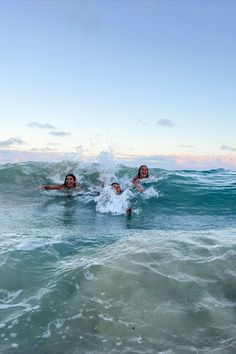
[78, 278]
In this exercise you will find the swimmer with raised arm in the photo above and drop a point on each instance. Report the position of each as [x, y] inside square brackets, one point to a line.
[69, 184]
[143, 173]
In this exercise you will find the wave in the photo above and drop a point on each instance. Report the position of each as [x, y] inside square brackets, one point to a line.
[135, 292]
[181, 192]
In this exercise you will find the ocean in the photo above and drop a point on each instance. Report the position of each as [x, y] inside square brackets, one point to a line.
[79, 275]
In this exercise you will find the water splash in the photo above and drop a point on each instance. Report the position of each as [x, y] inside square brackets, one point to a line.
[110, 202]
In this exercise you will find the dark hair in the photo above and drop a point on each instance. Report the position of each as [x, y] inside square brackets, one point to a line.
[138, 175]
[71, 175]
[115, 183]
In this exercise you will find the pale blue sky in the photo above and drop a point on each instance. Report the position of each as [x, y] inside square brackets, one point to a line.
[153, 78]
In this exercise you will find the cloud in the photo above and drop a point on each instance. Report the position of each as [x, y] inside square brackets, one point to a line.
[11, 141]
[59, 134]
[46, 149]
[229, 148]
[13, 156]
[40, 125]
[166, 122]
[179, 162]
[54, 132]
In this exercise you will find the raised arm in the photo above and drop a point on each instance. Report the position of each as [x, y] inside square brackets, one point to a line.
[136, 184]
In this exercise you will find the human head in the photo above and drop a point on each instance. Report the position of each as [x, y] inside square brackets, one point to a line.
[116, 187]
[143, 172]
[70, 180]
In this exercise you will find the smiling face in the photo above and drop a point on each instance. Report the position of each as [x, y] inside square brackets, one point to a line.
[69, 181]
[143, 171]
[116, 188]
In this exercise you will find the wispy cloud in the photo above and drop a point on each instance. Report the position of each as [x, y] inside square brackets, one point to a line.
[53, 130]
[181, 161]
[165, 122]
[229, 148]
[59, 134]
[11, 142]
[12, 156]
[40, 125]
[42, 149]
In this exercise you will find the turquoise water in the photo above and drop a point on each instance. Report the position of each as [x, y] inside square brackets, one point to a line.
[77, 275]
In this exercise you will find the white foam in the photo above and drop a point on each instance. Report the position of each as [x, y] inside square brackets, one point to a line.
[150, 193]
[7, 306]
[58, 323]
[110, 202]
[78, 315]
[8, 296]
[89, 276]
[106, 318]
[47, 333]
[13, 335]
[28, 246]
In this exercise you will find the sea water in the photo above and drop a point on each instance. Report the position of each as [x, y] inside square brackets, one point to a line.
[79, 275]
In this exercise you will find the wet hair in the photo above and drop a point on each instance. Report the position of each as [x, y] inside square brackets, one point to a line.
[113, 183]
[138, 175]
[70, 175]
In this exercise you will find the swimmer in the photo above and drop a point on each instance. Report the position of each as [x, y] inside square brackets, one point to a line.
[69, 184]
[117, 189]
[143, 173]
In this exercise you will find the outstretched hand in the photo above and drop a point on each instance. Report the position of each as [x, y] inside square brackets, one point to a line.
[40, 188]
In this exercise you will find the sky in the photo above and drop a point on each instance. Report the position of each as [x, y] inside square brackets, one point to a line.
[148, 81]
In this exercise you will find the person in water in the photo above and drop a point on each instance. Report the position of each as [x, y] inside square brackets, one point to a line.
[69, 183]
[143, 172]
[117, 189]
